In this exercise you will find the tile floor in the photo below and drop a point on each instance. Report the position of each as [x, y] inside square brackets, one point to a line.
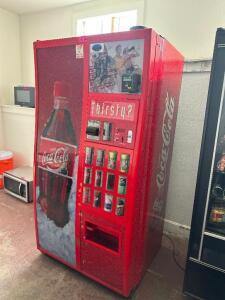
[26, 274]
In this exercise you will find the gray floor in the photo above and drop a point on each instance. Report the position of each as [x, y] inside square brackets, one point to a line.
[27, 274]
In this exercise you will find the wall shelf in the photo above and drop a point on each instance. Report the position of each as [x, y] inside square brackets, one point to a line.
[19, 110]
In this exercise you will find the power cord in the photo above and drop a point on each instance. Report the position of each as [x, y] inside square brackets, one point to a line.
[174, 255]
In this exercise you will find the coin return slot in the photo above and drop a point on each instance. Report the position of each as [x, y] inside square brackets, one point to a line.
[99, 236]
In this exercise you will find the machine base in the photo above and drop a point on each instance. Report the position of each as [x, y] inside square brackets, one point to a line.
[203, 282]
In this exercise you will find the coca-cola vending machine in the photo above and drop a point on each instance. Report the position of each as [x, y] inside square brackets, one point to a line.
[106, 108]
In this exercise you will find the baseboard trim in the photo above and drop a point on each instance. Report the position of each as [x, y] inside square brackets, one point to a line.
[176, 229]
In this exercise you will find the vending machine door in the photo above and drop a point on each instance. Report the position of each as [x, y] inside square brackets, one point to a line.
[208, 238]
[59, 75]
[205, 268]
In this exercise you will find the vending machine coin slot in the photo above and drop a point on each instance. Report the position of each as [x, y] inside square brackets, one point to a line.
[110, 182]
[129, 136]
[93, 130]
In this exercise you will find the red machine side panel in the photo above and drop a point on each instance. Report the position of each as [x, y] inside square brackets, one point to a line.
[164, 115]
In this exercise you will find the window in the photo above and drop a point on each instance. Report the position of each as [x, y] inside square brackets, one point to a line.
[107, 23]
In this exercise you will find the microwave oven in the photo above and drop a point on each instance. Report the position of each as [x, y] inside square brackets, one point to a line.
[19, 183]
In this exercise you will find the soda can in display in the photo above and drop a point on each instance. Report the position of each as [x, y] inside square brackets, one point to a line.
[120, 207]
[112, 160]
[87, 176]
[100, 158]
[86, 195]
[124, 163]
[107, 131]
[108, 202]
[122, 185]
[89, 155]
[98, 178]
[97, 199]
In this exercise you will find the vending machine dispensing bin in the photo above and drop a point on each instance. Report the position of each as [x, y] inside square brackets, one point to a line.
[106, 109]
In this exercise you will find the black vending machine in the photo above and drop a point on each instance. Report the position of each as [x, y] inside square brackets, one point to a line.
[205, 268]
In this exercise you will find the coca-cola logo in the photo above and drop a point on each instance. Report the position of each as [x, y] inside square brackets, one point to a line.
[166, 139]
[56, 159]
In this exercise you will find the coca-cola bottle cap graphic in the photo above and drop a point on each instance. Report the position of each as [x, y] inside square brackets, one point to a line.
[62, 89]
[59, 125]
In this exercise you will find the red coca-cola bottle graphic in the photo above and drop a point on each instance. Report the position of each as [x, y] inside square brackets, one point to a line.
[56, 158]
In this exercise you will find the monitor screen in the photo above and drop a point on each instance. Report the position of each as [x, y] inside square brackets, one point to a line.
[23, 96]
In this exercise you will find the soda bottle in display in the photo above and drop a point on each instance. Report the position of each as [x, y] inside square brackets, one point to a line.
[56, 157]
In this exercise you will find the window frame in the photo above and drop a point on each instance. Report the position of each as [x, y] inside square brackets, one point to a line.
[110, 9]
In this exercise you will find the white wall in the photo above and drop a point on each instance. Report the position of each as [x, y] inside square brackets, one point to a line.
[10, 55]
[187, 145]
[60, 23]
[10, 59]
[19, 133]
[188, 24]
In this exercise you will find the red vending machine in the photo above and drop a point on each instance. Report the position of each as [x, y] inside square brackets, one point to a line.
[106, 109]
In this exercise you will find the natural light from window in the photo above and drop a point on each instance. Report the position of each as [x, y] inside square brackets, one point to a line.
[107, 23]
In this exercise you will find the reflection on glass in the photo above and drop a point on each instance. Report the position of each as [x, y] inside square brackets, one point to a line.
[97, 199]
[100, 158]
[122, 185]
[120, 204]
[216, 209]
[87, 175]
[108, 202]
[89, 155]
[98, 178]
[86, 195]
[110, 182]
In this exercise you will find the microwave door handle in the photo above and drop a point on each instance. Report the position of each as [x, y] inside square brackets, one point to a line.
[20, 185]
